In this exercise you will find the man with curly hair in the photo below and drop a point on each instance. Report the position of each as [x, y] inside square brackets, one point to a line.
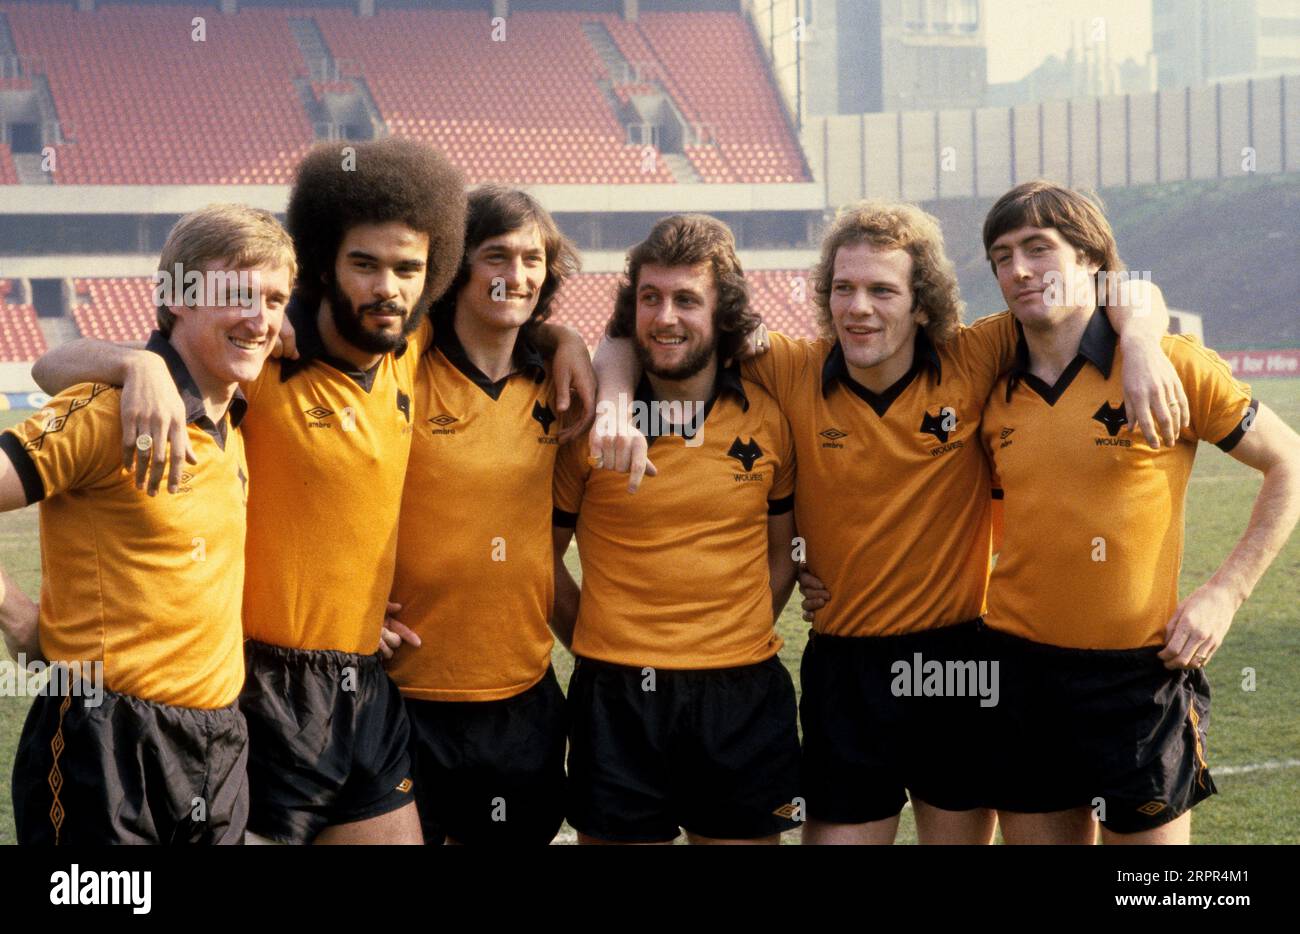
[892, 506]
[682, 715]
[379, 230]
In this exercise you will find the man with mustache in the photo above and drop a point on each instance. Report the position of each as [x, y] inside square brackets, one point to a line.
[379, 229]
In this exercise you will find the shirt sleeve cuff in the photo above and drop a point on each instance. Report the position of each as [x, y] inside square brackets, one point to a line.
[33, 485]
[564, 520]
[779, 507]
[1235, 436]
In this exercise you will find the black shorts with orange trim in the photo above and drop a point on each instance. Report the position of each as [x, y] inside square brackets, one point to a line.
[876, 726]
[714, 751]
[130, 771]
[491, 772]
[328, 740]
[1111, 730]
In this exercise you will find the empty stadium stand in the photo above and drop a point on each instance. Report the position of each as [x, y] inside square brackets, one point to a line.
[20, 335]
[114, 309]
[721, 81]
[141, 102]
[145, 104]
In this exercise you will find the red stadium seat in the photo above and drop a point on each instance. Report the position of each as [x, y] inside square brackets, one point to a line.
[20, 334]
[150, 106]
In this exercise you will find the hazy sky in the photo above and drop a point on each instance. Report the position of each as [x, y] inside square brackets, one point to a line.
[1021, 33]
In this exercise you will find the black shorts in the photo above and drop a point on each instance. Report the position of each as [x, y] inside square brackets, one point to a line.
[328, 740]
[872, 731]
[715, 751]
[491, 772]
[1112, 730]
[130, 771]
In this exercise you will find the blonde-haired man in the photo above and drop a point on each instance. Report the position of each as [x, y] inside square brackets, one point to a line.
[137, 738]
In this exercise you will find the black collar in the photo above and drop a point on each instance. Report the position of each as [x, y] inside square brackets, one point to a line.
[526, 357]
[727, 380]
[311, 346]
[1097, 346]
[195, 414]
[836, 369]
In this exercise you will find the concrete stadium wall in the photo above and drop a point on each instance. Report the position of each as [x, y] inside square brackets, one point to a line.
[1218, 131]
[180, 199]
[16, 379]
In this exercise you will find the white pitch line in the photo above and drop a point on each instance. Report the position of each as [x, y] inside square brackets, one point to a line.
[1268, 766]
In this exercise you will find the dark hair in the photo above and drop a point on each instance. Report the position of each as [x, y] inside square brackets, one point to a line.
[688, 240]
[494, 210]
[338, 187]
[1077, 216]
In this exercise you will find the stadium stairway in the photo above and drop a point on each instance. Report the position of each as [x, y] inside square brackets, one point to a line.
[7, 48]
[681, 167]
[58, 330]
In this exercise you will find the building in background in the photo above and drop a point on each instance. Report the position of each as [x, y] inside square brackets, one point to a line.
[1200, 41]
[873, 56]
[1087, 70]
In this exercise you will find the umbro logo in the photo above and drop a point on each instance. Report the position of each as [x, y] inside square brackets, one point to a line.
[187, 479]
[1151, 808]
[443, 423]
[317, 416]
[1113, 418]
[746, 453]
[833, 436]
[1005, 434]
